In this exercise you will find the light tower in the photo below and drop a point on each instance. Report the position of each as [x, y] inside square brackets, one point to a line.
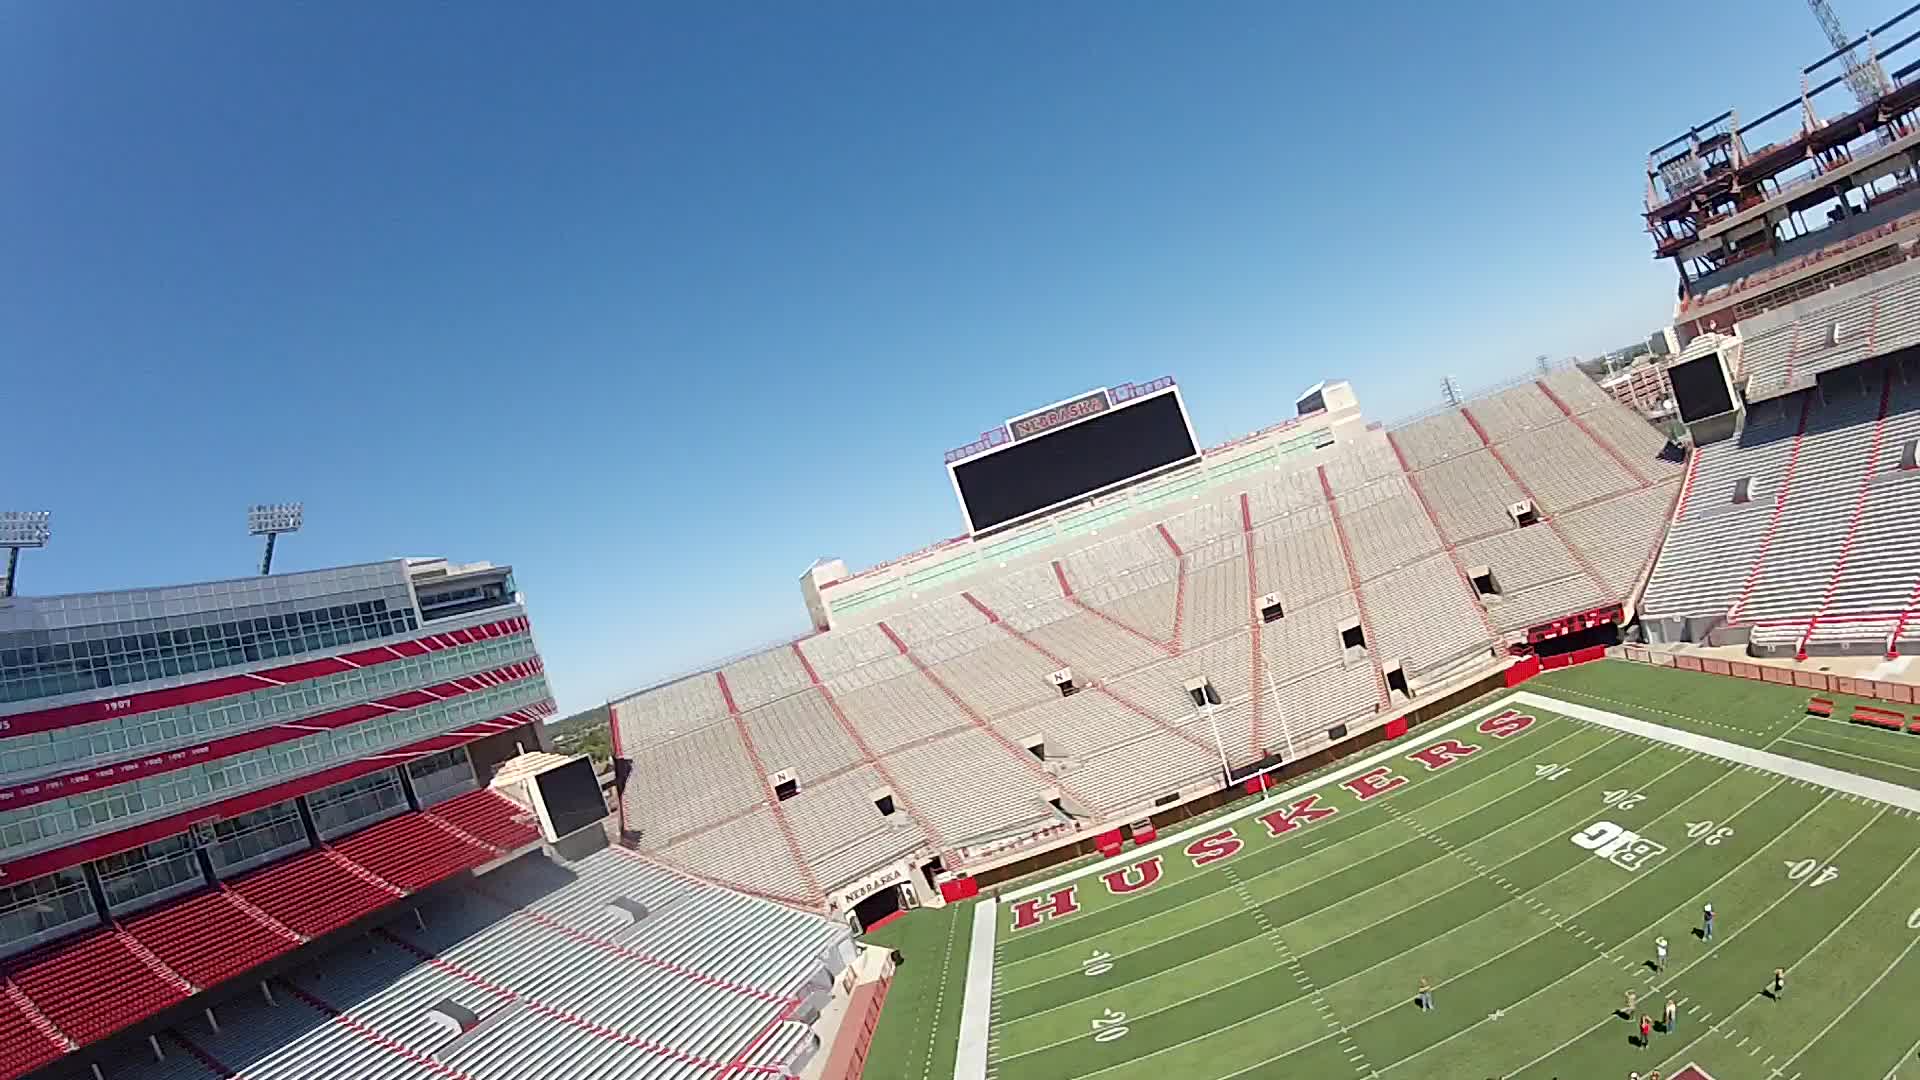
[270, 520]
[21, 529]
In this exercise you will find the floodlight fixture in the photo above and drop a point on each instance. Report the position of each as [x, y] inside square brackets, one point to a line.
[21, 529]
[270, 520]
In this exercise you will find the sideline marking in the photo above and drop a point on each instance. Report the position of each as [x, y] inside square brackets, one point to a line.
[1399, 748]
[970, 1062]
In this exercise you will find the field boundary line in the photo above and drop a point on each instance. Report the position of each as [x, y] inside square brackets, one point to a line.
[1335, 846]
[1397, 749]
[1879, 791]
[1828, 936]
[1539, 910]
[970, 1061]
[1817, 748]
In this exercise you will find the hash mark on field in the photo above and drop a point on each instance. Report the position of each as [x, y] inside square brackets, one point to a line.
[1288, 960]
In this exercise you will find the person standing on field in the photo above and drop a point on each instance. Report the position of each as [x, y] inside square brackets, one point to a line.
[1779, 982]
[1672, 1015]
[1426, 995]
[1706, 923]
[1646, 1031]
[1660, 954]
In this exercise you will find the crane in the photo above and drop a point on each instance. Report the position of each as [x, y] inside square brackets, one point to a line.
[1865, 78]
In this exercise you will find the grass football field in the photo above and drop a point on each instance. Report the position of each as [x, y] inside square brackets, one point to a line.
[1527, 878]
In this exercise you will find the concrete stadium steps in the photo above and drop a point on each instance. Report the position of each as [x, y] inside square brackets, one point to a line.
[1518, 610]
[412, 852]
[669, 711]
[1880, 573]
[1819, 516]
[1470, 494]
[1584, 396]
[1210, 520]
[1424, 617]
[1284, 493]
[1094, 647]
[935, 620]
[490, 817]
[91, 985]
[1644, 448]
[844, 651]
[1218, 601]
[703, 775]
[1521, 559]
[967, 785]
[1515, 411]
[997, 674]
[1308, 639]
[903, 710]
[839, 831]
[311, 893]
[1154, 764]
[207, 937]
[561, 988]
[746, 851]
[1386, 527]
[1710, 551]
[765, 677]
[801, 733]
[1091, 722]
[1441, 437]
[1367, 462]
[1620, 537]
[1560, 468]
[1146, 600]
[1298, 556]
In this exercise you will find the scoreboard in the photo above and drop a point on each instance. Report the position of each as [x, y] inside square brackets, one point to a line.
[1069, 451]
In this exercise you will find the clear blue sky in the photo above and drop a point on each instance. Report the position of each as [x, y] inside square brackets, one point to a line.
[658, 303]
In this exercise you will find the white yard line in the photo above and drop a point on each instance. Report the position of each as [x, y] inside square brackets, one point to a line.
[970, 1063]
[1851, 915]
[1735, 932]
[1402, 1004]
[1306, 956]
[1397, 748]
[1832, 779]
[1333, 847]
[1607, 953]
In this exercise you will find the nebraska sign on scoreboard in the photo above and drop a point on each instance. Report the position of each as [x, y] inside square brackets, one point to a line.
[1039, 423]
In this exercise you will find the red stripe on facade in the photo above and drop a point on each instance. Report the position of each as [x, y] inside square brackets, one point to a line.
[1168, 537]
[806, 664]
[29, 723]
[20, 796]
[726, 692]
[893, 637]
[1060, 574]
[981, 608]
[97, 847]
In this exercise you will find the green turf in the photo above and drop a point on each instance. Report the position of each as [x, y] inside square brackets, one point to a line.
[920, 1024]
[1299, 955]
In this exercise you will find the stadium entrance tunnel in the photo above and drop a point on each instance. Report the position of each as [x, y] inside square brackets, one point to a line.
[1603, 634]
[879, 908]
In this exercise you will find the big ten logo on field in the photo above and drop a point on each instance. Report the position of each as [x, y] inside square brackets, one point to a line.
[1620, 846]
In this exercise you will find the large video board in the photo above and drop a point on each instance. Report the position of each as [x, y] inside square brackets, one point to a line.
[1701, 388]
[1072, 451]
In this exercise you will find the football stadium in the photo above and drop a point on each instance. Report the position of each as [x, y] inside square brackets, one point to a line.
[1565, 729]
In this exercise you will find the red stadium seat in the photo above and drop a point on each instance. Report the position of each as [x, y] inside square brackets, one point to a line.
[207, 937]
[311, 893]
[412, 852]
[491, 817]
[23, 1047]
[92, 984]
[1820, 706]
